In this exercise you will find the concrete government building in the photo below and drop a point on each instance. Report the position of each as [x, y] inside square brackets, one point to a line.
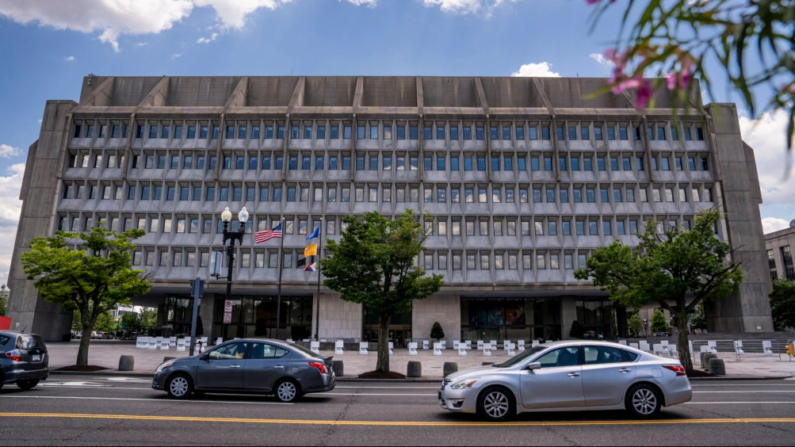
[524, 178]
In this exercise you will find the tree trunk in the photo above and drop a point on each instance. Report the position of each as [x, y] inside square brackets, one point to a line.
[82, 351]
[683, 345]
[382, 363]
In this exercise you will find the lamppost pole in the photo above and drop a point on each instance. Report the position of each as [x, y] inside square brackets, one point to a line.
[232, 236]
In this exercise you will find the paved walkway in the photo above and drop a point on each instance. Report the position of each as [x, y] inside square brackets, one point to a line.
[106, 353]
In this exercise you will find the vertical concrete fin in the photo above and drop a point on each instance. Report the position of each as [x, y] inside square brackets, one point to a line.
[23, 191]
[420, 97]
[750, 159]
[100, 96]
[158, 96]
[543, 95]
[357, 95]
[484, 104]
[238, 96]
[297, 99]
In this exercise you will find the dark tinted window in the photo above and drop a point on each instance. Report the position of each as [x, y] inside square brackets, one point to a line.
[602, 354]
[3, 340]
[559, 357]
[265, 351]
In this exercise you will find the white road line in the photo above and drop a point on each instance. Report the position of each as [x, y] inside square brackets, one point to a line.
[742, 402]
[376, 394]
[743, 392]
[389, 387]
[147, 400]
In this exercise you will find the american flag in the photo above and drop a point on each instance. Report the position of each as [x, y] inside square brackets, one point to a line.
[264, 236]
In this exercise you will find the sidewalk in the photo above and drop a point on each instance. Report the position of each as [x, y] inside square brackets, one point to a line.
[106, 353]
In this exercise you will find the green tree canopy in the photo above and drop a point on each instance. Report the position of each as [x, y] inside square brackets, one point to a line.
[658, 323]
[3, 300]
[782, 303]
[699, 319]
[635, 324]
[373, 264]
[436, 331]
[87, 272]
[676, 270]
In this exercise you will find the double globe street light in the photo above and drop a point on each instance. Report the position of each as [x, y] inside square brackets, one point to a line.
[232, 236]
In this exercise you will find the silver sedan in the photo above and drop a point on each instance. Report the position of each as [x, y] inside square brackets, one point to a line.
[248, 366]
[572, 375]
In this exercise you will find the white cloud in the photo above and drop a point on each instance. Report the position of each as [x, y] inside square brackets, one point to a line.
[111, 18]
[601, 59]
[767, 136]
[368, 3]
[9, 215]
[232, 13]
[456, 6]
[539, 70]
[176, 56]
[771, 224]
[8, 151]
[69, 58]
[212, 38]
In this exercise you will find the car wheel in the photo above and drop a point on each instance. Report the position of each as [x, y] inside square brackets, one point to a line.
[27, 384]
[496, 403]
[643, 401]
[179, 386]
[287, 391]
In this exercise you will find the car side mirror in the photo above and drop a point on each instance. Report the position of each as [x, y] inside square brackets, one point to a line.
[534, 365]
[205, 356]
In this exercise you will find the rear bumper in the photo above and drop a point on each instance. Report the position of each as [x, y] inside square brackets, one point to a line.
[327, 383]
[15, 375]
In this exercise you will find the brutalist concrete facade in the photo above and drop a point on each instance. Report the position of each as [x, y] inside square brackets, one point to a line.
[524, 177]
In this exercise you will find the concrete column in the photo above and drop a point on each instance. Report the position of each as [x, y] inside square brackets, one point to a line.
[446, 309]
[206, 309]
[338, 318]
[568, 314]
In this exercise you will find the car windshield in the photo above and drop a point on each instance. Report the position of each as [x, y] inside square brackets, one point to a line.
[519, 358]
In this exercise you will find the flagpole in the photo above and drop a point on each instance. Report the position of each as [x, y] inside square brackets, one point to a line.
[279, 293]
[317, 267]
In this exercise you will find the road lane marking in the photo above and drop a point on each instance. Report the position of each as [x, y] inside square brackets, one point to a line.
[148, 400]
[728, 402]
[743, 392]
[129, 417]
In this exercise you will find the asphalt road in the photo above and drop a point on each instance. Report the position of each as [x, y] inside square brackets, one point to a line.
[90, 410]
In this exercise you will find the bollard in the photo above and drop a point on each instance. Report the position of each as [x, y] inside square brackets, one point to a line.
[717, 367]
[707, 357]
[338, 367]
[414, 369]
[449, 368]
[165, 359]
[487, 363]
[126, 363]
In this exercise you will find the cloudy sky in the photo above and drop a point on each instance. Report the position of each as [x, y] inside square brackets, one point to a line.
[47, 46]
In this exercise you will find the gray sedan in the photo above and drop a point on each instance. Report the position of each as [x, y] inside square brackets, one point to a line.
[248, 366]
[574, 375]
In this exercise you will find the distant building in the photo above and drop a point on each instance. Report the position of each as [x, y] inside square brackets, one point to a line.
[779, 252]
[524, 178]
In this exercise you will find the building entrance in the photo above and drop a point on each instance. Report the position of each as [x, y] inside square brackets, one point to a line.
[510, 319]
[399, 328]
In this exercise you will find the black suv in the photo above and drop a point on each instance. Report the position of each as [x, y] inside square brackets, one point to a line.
[23, 359]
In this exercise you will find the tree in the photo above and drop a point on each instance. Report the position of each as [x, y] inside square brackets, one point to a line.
[373, 264]
[699, 319]
[635, 324]
[436, 331]
[680, 38]
[131, 321]
[658, 323]
[91, 278]
[3, 300]
[782, 303]
[149, 318]
[677, 270]
[105, 322]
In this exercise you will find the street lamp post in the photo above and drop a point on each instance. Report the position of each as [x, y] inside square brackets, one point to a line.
[232, 236]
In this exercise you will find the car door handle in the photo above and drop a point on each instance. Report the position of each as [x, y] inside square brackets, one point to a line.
[234, 366]
[278, 367]
[573, 374]
[625, 370]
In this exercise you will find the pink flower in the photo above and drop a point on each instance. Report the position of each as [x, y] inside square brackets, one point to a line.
[642, 94]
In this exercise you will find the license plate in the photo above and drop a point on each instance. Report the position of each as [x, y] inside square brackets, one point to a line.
[35, 357]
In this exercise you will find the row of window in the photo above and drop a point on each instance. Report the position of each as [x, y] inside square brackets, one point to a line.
[494, 193]
[388, 130]
[441, 260]
[401, 161]
[440, 226]
[786, 263]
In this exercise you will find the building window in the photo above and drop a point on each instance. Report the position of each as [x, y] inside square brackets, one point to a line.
[771, 262]
[786, 258]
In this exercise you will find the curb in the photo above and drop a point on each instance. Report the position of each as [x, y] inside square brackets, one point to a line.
[708, 379]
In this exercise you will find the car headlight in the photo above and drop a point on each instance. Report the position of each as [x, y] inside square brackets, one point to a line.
[163, 366]
[467, 383]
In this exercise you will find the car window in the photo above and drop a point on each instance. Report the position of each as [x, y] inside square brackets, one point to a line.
[3, 340]
[231, 351]
[559, 357]
[519, 358]
[595, 355]
[23, 341]
[265, 351]
[629, 356]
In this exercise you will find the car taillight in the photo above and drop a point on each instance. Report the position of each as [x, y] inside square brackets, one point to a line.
[14, 355]
[678, 369]
[320, 366]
